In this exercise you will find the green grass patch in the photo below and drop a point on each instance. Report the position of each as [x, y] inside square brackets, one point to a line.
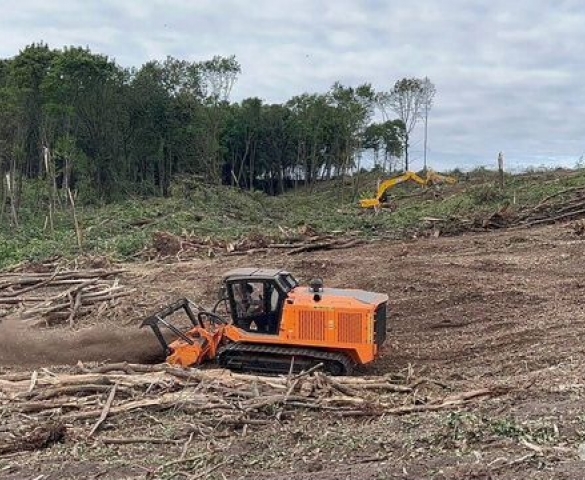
[122, 229]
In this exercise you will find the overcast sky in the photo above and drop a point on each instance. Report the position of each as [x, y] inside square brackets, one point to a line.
[509, 74]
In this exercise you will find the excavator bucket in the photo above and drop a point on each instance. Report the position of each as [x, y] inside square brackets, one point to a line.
[369, 203]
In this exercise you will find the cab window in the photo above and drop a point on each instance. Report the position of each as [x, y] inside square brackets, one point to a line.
[257, 306]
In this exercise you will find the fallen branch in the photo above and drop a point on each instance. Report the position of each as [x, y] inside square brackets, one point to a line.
[213, 398]
[556, 218]
[311, 247]
[129, 441]
[67, 390]
[79, 292]
[32, 287]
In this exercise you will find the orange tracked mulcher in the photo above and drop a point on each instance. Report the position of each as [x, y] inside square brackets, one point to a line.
[273, 325]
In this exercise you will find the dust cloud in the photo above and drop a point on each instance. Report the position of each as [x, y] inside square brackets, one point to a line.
[24, 346]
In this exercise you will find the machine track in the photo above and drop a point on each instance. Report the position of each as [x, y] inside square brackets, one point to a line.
[270, 359]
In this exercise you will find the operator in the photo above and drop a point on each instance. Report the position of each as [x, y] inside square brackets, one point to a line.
[253, 301]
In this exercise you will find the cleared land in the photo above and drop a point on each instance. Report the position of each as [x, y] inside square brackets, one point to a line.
[500, 310]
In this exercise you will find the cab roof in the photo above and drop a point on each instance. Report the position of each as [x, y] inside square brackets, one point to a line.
[331, 297]
[251, 272]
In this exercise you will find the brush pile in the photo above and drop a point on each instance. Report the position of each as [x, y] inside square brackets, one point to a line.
[303, 239]
[562, 206]
[568, 204]
[61, 295]
[37, 407]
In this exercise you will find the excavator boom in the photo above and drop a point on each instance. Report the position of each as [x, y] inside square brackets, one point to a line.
[431, 178]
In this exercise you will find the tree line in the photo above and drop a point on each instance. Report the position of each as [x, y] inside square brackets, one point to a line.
[84, 122]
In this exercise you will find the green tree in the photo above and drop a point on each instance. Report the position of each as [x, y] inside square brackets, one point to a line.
[85, 91]
[29, 70]
[355, 107]
[12, 128]
[275, 150]
[112, 132]
[218, 77]
[386, 138]
[406, 99]
[311, 130]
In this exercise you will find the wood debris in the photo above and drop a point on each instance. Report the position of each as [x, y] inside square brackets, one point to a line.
[303, 239]
[59, 296]
[90, 398]
[563, 206]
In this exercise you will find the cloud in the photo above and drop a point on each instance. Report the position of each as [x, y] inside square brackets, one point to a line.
[508, 75]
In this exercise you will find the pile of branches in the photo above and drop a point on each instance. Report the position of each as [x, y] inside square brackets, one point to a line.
[59, 296]
[165, 244]
[565, 205]
[568, 204]
[36, 407]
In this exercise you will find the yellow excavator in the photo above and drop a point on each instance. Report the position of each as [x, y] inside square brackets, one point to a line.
[431, 178]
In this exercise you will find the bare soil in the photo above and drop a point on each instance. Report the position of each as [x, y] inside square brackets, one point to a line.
[503, 308]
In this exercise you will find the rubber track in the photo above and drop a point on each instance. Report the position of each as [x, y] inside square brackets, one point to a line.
[285, 352]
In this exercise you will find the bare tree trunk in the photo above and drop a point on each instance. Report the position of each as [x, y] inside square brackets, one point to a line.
[252, 166]
[312, 165]
[3, 194]
[78, 231]
[406, 165]
[244, 157]
[51, 187]
[501, 169]
[67, 174]
[344, 170]
[10, 186]
[233, 178]
[240, 167]
[357, 176]
[281, 179]
[426, 134]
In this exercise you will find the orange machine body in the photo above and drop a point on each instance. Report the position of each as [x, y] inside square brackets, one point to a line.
[272, 318]
[339, 321]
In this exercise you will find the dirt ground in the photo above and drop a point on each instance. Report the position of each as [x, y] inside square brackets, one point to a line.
[497, 309]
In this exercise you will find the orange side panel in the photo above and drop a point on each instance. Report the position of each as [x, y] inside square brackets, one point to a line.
[345, 329]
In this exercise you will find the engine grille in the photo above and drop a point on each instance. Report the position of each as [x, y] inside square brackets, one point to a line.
[349, 328]
[312, 325]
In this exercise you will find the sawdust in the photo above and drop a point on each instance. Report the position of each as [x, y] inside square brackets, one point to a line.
[26, 347]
